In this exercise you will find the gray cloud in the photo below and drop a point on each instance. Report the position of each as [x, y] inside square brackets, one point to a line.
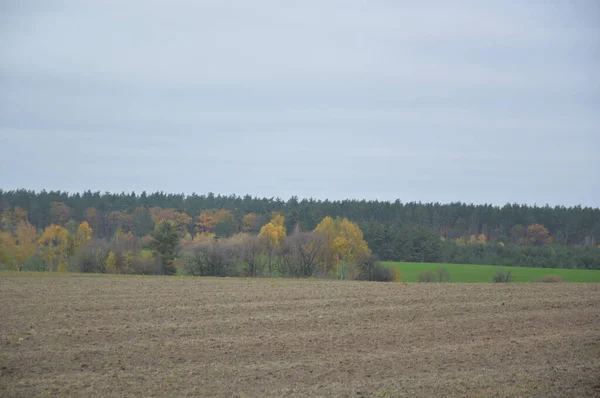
[469, 101]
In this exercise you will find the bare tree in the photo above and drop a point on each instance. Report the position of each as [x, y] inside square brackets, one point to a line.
[216, 258]
[300, 253]
[250, 252]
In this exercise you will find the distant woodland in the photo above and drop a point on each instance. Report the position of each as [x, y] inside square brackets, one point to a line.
[513, 234]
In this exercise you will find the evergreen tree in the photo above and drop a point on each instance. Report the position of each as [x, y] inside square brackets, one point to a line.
[165, 240]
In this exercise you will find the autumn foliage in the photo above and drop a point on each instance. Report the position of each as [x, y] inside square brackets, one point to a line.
[274, 238]
[53, 245]
[344, 244]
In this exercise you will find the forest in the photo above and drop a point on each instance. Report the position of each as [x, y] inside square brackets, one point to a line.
[123, 228]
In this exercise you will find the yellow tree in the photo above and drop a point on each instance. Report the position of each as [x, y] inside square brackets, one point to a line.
[84, 234]
[344, 244]
[341, 249]
[8, 251]
[111, 263]
[328, 228]
[357, 246]
[54, 247]
[204, 237]
[26, 239]
[271, 236]
[350, 245]
[277, 219]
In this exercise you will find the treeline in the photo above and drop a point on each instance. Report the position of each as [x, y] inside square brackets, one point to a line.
[456, 232]
[536, 248]
[336, 248]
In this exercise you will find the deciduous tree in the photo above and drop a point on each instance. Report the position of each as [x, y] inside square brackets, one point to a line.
[271, 235]
[11, 218]
[53, 245]
[60, 213]
[250, 253]
[26, 238]
[300, 253]
[209, 219]
[8, 251]
[344, 244]
[84, 234]
[250, 222]
[93, 218]
[537, 235]
[111, 263]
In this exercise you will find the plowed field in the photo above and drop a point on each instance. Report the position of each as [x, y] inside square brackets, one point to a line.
[171, 336]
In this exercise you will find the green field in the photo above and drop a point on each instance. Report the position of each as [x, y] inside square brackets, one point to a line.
[409, 272]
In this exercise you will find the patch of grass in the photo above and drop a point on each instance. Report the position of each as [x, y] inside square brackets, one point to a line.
[473, 273]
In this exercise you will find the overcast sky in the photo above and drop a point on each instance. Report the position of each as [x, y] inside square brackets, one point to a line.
[475, 101]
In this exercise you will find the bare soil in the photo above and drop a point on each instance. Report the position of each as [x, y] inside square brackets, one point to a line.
[178, 337]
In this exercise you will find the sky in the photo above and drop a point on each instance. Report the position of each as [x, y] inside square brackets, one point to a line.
[433, 101]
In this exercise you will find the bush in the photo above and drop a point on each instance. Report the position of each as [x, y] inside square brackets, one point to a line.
[33, 263]
[502, 277]
[426, 277]
[365, 267]
[144, 265]
[91, 258]
[369, 268]
[443, 275]
[101, 256]
[385, 274]
[249, 254]
[212, 259]
[550, 279]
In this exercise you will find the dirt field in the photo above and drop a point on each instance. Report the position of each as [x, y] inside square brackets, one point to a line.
[148, 336]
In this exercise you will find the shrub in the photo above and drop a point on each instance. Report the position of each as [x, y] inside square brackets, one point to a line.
[249, 254]
[365, 267]
[368, 268]
[502, 277]
[550, 279]
[145, 265]
[385, 274]
[212, 259]
[426, 277]
[91, 258]
[443, 275]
